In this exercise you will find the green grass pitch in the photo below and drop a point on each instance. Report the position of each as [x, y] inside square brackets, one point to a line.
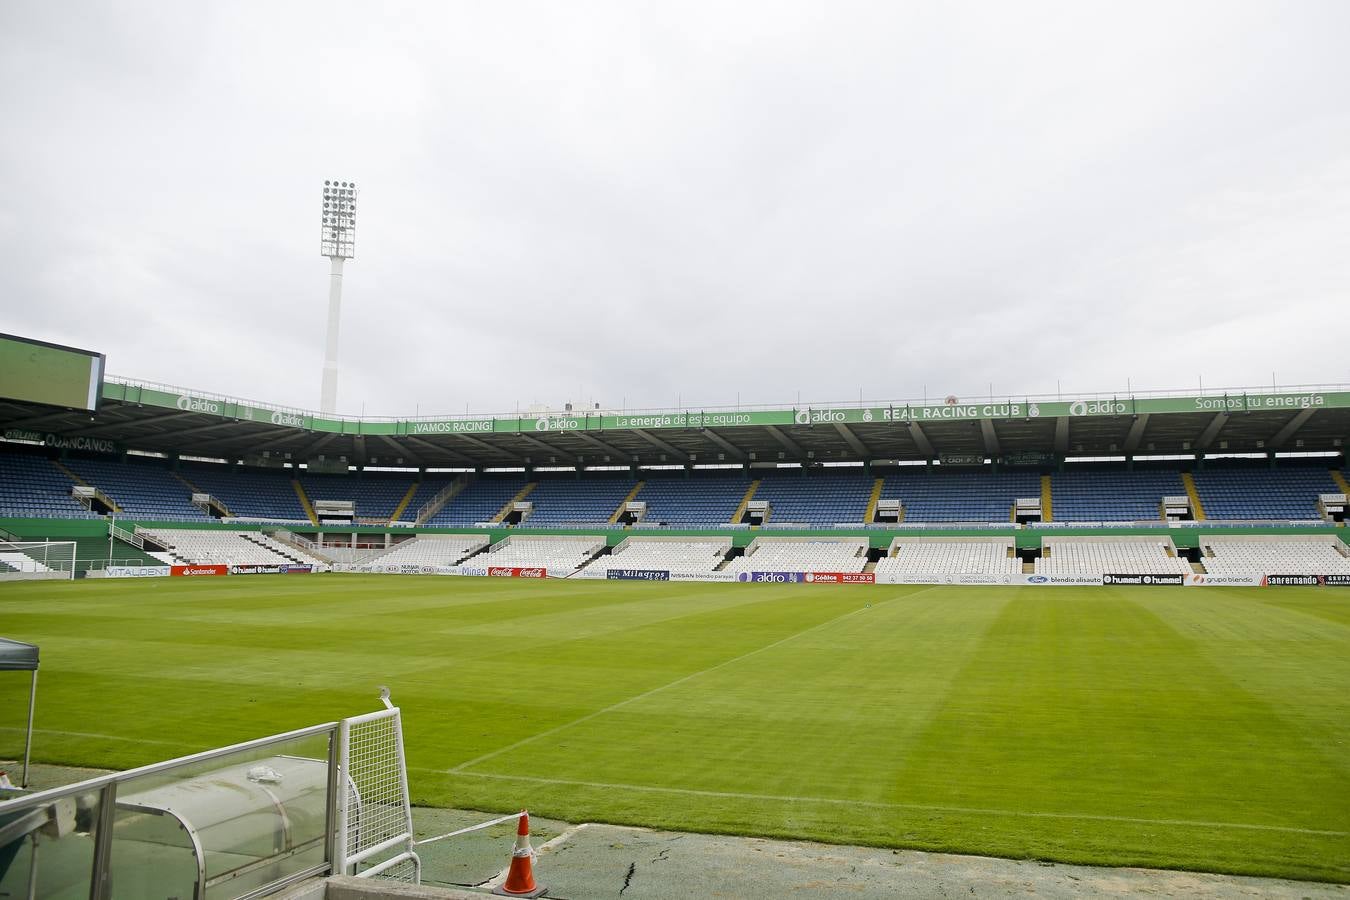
[1190, 728]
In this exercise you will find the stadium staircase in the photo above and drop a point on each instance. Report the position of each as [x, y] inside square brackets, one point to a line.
[99, 494]
[1197, 508]
[1047, 500]
[214, 504]
[403, 504]
[875, 496]
[297, 542]
[446, 494]
[69, 474]
[304, 501]
[745, 502]
[255, 539]
[623, 504]
[511, 504]
[1341, 483]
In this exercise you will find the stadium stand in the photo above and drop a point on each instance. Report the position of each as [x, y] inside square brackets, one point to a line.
[430, 550]
[249, 493]
[801, 555]
[31, 486]
[141, 488]
[699, 500]
[200, 546]
[825, 497]
[375, 494]
[930, 495]
[949, 556]
[684, 556]
[560, 555]
[1275, 555]
[480, 501]
[1112, 495]
[1288, 493]
[1093, 556]
[572, 501]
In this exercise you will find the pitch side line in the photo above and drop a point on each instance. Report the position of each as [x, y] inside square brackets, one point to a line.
[875, 804]
[656, 690]
[93, 734]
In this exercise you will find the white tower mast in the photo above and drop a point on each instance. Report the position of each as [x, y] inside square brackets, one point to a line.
[337, 242]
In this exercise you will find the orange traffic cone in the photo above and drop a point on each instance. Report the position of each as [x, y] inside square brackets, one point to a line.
[520, 877]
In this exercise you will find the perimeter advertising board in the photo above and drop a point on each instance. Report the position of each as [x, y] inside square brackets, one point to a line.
[136, 572]
[516, 572]
[198, 570]
[1162, 580]
[638, 574]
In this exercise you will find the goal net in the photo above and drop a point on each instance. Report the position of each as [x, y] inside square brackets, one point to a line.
[37, 559]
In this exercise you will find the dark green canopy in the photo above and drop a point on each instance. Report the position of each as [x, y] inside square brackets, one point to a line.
[16, 656]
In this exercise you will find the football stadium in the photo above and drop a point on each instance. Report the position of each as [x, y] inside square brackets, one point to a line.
[1102, 630]
[760, 450]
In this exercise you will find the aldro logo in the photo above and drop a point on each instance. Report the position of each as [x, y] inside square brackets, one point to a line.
[197, 404]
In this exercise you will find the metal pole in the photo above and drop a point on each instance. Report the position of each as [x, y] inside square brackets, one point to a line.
[28, 742]
[328, 397]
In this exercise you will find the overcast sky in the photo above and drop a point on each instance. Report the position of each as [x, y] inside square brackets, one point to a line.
[645, 204]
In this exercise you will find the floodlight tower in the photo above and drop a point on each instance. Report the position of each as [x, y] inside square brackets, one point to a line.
[337, 242]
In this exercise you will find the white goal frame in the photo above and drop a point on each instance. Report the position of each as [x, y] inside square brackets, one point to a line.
[37, 559]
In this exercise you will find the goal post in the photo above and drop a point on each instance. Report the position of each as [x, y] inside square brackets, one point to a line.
[37, 559]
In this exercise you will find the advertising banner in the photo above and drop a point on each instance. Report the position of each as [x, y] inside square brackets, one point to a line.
[516, 572]
[979, 578]
[772, 577]
[1153, 580]
[638, 574]
[199, 570]
[840, 578]
[1224, 581]
[1304, 580]
[947, 410]
[136, 571]
[1058, 580]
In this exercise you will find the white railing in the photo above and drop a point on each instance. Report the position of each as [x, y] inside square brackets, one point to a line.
[347, 779]
[859, 403]
[433, 506]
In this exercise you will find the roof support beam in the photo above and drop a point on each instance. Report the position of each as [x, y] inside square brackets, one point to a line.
[154, 420]
[617, 454]
[401, 450]
[1062, 436]
[1284, 434]
[858, 446]
[786, 441]
[921, 440]
[990, 438]
[725, 444]
[472, 442]
[437, 449]
[1211, 431]
[547, 448]
[184, 432]
[1136, 433]
[662, 445]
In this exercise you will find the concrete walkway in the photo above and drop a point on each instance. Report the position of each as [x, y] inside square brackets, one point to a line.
[603, 861]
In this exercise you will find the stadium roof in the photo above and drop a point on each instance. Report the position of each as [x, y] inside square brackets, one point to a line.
[142, 416]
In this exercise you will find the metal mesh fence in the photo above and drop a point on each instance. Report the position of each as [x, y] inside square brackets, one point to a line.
[379, 818]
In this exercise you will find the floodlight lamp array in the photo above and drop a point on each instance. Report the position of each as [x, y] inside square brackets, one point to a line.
[338, 225]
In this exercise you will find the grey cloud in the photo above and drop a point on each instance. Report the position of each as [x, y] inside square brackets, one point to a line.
[640, 204]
